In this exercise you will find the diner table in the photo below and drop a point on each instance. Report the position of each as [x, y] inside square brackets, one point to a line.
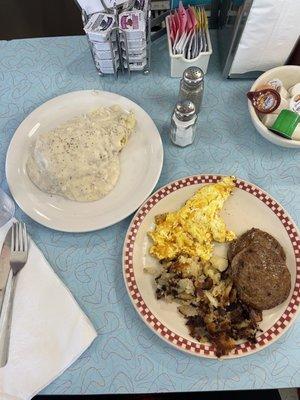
[127, 357]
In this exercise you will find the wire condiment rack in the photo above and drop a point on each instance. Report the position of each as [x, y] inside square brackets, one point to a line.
[116, 36]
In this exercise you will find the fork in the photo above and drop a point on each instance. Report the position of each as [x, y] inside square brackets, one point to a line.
[18, 258]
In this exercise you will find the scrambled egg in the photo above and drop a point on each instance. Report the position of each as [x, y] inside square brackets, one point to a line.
[192, 229]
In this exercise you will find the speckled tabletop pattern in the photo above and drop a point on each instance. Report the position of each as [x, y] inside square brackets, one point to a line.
[127, 357]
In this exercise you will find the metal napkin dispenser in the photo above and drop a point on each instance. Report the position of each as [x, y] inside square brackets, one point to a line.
[256, 35]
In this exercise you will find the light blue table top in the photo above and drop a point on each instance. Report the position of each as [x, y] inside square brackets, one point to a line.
[127, 356]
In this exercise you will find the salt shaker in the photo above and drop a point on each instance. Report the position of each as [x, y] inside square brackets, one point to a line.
[192, 86]
[182, 130]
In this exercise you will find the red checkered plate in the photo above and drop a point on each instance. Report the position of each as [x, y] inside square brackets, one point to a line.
[249, 206]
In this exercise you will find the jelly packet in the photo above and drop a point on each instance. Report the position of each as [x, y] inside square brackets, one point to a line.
[136, 66]
[133, 23]
[134, 45]
[141, 5]
[98, 26]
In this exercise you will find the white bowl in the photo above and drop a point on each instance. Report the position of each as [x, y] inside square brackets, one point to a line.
[289, 75]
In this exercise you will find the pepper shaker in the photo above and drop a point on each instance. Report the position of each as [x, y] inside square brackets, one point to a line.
[182, 130]
[192, 86]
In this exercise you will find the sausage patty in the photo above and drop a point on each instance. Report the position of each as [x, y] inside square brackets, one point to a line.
[260, 276]
[255, 236]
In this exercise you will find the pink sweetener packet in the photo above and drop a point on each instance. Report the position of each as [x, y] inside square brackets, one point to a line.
[173, 24]
[171, 29]
[182, 18]
[189, 22]
[176, 20]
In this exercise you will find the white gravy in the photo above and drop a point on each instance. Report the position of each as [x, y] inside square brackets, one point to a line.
[79, 160]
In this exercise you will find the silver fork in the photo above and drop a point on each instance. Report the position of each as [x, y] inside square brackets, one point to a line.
[18, 258]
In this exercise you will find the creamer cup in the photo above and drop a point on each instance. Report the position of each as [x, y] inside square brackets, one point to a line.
[294, 89]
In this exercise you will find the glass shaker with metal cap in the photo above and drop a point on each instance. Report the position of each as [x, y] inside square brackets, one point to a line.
[192, 86]
[182, 131]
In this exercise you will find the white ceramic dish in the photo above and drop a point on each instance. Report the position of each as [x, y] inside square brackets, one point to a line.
[249, 206]
[141, 163]
[289, 75]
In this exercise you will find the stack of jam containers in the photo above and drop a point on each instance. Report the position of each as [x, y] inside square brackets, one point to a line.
[120, 38]
[99, 29]
[133, 25]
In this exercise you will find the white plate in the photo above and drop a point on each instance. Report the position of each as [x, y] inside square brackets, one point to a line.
[248, 207]
[141, 163]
